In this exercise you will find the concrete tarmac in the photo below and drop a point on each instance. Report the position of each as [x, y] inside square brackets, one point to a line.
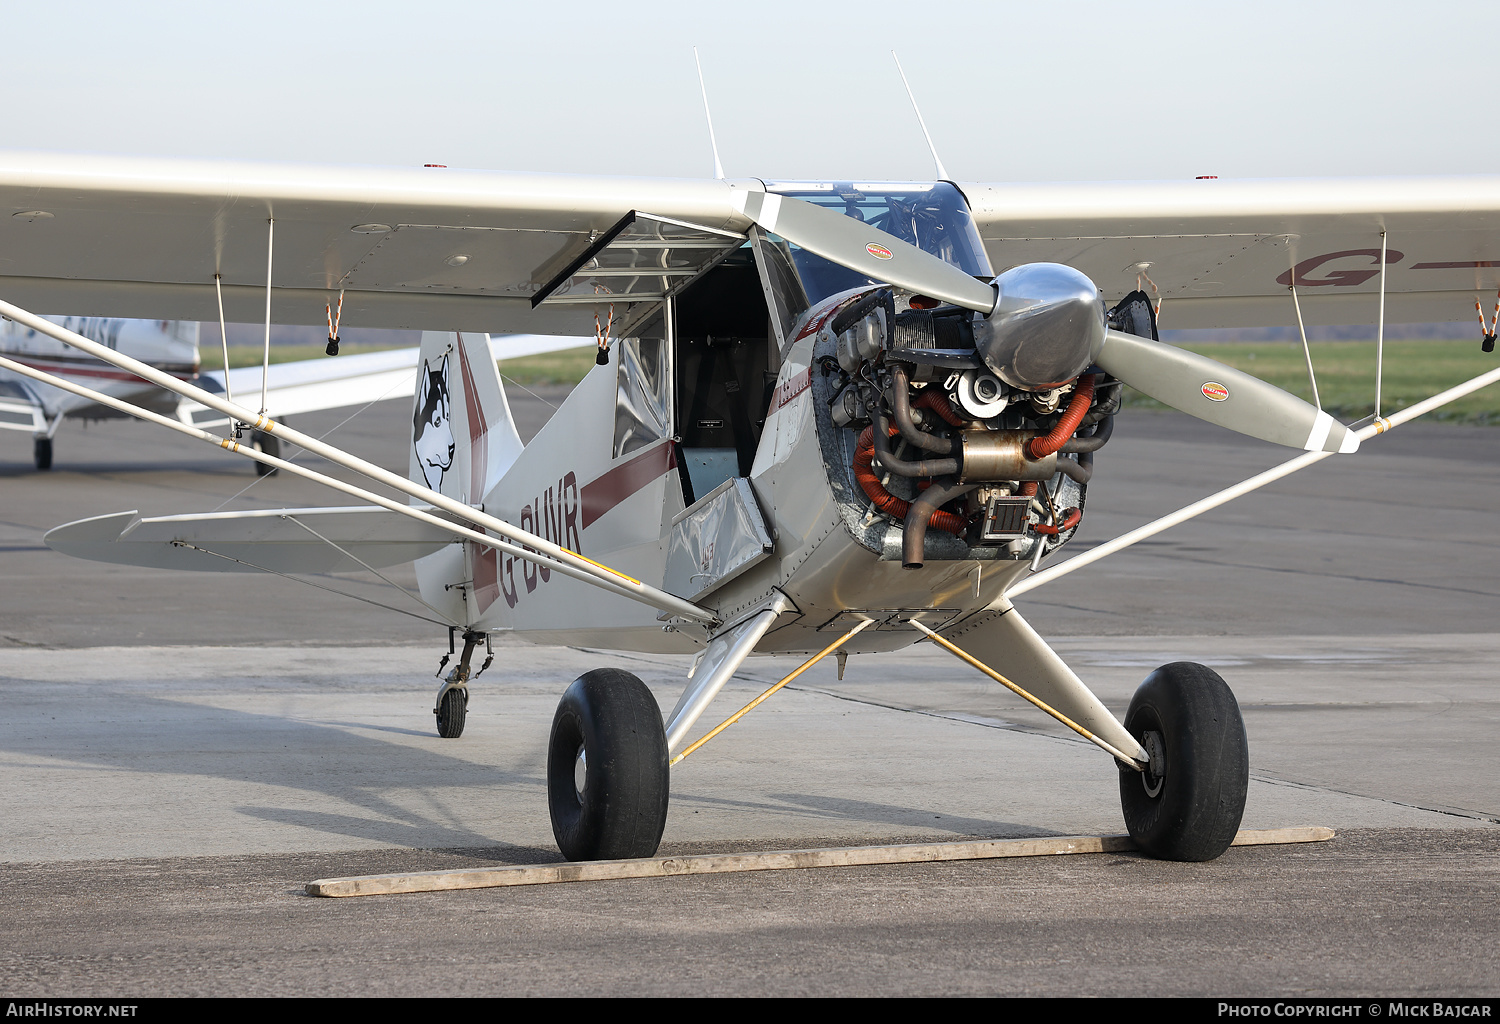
[179, 756]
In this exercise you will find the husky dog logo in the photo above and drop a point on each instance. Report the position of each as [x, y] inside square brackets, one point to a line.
[432, 425]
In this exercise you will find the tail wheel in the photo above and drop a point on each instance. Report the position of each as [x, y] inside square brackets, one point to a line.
[1188, 804]
[41, 450]
[451, 712]
[607, 775]
[268, 445]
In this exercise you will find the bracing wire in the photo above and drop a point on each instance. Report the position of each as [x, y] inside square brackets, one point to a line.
[310, 583]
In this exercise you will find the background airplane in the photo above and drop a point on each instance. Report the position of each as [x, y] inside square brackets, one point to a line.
[172, 346]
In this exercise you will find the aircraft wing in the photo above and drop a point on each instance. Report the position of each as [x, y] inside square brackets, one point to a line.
[334, 382]
[21, 407]
[1222, 253]
[441, 249]
[429, 249]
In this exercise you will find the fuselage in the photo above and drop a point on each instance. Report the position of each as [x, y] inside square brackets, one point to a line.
[168, 345]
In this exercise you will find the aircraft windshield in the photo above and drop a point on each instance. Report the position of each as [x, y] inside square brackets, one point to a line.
[934, 218]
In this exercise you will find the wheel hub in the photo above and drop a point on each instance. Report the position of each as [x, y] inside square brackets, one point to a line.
[1155, 774]
[580, 772]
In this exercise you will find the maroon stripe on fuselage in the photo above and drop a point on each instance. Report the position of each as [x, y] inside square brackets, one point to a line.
[67, 368]
[604, 493]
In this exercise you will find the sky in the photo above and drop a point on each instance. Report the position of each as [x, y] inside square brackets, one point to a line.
[1010, 91]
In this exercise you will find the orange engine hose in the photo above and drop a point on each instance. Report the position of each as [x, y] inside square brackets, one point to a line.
[885, 501]
[1041, 447]
[1070, 520]
[933, 399]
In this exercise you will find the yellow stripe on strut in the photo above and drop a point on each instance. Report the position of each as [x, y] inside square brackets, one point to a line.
[809, 663]
[997, 677]
[596, 565]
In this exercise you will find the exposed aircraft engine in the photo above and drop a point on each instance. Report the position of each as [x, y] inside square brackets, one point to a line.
[984, 428]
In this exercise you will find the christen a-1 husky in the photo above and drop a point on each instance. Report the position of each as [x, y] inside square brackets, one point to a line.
[825, 423]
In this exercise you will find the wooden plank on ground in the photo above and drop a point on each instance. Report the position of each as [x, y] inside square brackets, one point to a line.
[719, 863]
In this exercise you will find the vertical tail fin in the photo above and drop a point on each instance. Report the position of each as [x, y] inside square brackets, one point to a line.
[463, 438]
[463, 441]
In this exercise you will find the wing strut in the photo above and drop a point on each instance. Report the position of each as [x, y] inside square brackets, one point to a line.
[1312, 378]
[555, 556]
[1213, 501]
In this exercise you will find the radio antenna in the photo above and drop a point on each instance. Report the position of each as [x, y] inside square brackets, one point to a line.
[942, 172]
[718, 167]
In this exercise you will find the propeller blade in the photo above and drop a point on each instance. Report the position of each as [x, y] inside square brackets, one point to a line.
[866, 250]
[1211, 391]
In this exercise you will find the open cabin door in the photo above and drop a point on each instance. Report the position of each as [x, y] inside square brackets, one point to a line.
[716, 360]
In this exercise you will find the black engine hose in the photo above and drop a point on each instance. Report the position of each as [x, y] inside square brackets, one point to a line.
[914, 470]
[914, 529]
[900, 397]
[857, 312]
[1105, 404]
[1094, 441]
[1081, 471]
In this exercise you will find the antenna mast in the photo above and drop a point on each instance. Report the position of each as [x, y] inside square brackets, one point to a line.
[942, 172]
[718, 167]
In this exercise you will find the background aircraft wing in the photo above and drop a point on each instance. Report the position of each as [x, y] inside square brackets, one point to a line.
[1222, 253]
[21, 407]
[307, 385]
[430, 249]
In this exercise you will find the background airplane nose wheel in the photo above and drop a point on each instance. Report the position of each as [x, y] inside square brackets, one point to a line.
[41, 450]
[269, 445]
[1188, 804]
[607, 775]
[451, 712]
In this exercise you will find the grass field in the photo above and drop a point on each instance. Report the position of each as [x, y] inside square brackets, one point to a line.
[1346, 371]
[211, 357]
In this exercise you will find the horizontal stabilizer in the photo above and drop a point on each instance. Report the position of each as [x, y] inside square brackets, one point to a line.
[290, 540]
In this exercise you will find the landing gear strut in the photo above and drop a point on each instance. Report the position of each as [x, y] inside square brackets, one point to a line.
[1188, 803]
[607, 775]
[453, 696]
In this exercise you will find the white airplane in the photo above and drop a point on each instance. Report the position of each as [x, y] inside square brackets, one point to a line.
[838, 416]
[171, 346]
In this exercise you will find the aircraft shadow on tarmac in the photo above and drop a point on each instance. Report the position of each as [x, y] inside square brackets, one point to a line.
[228, 466]
[122, 732]
[216, 743]
[834, 809]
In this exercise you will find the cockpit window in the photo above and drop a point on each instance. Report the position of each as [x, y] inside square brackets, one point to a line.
[932, 217]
